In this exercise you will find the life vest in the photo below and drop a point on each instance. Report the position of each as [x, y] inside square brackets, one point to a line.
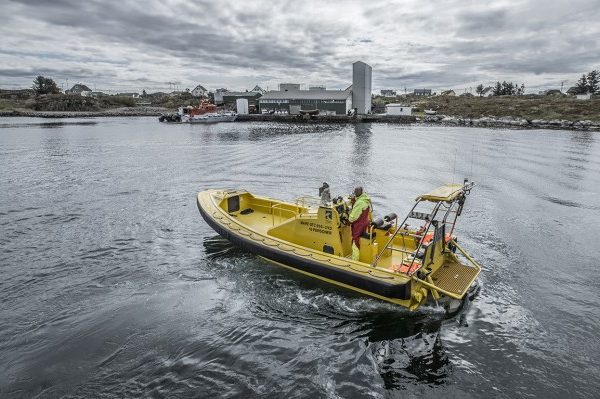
[429, 237]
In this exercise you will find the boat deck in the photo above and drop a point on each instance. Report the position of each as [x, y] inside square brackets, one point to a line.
[454, 277]
[261, 221]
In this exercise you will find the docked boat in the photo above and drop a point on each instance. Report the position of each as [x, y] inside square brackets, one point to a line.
[404, 265]
[204, 113]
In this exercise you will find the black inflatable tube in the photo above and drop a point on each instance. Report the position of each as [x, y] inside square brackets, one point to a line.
[396, 291]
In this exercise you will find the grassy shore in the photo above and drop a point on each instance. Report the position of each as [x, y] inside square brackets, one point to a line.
[26, 100]
[527, 107]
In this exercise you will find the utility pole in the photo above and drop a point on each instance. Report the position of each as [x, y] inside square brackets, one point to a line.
[561, 85]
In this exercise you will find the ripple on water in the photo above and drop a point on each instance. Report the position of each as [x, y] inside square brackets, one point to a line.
[113, 285]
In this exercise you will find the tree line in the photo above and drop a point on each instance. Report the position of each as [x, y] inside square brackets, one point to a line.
[44, 85]
[504, 89]
[589, 83]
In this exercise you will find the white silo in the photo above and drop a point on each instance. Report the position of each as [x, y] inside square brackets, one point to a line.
[361, 87]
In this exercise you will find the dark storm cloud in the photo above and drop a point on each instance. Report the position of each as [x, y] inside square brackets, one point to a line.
[437, 44]
[206, 39]
[28, 72]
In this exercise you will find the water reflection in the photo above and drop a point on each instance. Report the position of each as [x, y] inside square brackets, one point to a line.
[407, 349]
[56, 145]
[360, 159]
[576, 155]
[47, 125]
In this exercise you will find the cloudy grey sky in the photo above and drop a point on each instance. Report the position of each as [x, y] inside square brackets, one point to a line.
[135, 45]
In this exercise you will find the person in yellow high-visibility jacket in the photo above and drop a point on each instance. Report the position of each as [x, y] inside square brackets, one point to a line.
[359, 218]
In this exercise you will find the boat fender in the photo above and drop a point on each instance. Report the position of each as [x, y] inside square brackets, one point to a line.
[247, 211]
[452, 246]
[389, 217]
[422, 275]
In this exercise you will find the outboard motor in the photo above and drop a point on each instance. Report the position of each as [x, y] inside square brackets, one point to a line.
[325, 194]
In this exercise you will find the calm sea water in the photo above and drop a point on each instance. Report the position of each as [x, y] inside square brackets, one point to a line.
[113, 286]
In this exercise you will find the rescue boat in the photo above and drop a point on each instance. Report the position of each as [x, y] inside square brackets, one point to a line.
[404, 265]
[204, 113]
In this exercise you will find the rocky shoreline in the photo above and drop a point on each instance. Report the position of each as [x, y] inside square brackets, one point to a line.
[444, 120]
[125, 111]
[515, 123]
[401, 119]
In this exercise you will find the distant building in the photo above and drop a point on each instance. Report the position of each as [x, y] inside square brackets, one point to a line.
[398, 109]
[292, 101]
[199, 91]
[134, 95]
[259, 89]
[289, 86]
[231, 97]
[388, 93]
[586, 96]
[361, 87]
[218, 96]
[451, 93]
[422, 92]
[487, 92]
[79, 89]
[573, 90]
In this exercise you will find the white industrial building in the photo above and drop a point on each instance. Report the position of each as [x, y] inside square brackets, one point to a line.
[337, 102]
[398, 109]
[290, 99]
